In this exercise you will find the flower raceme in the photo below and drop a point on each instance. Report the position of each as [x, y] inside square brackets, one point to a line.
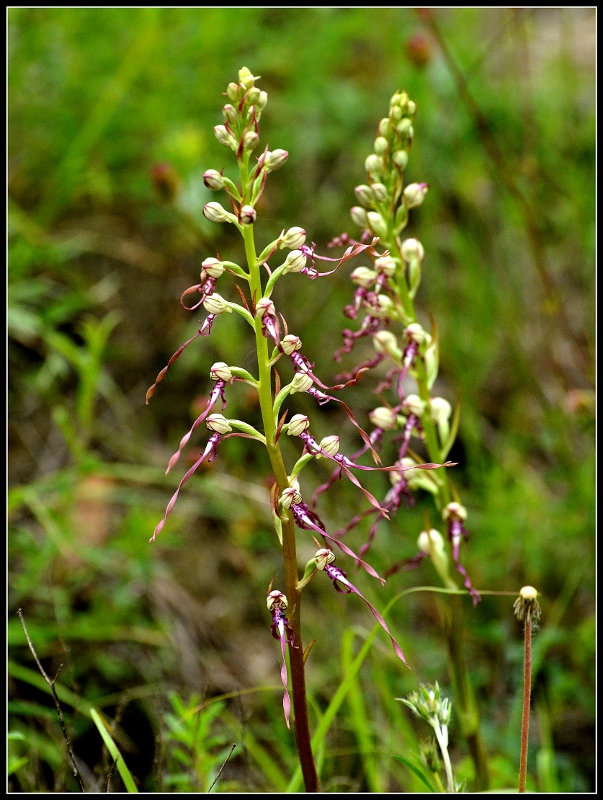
[275, 345]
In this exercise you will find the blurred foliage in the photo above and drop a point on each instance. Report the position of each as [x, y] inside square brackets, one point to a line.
[101, 101]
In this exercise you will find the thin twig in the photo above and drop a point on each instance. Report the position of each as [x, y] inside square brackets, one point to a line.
[221, 768]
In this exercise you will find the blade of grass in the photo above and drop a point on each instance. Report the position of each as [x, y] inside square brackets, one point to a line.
[125, 773]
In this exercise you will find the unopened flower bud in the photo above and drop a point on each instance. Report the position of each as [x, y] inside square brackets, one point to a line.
[374, 166]
[380, 145]
[364, 194]
[213, 267]
[290, 343]
[214, 212]
[440, 409]
[383, 417]
[275, 159]
[233, 90]
[301, 383]
[377, 224]
[216, 304]
[224, 137]
[380, 306]
[293, 238]
[386, 342]
[247, 215]
[323, 557]
[412, 249]
[412, 108]
[220, 371]
[358, 215]
[454, 510]
[396, 114]
[230, 113]
[276, 599]
[400, 159]
[250, 140]
[252, 96]
[418, 478]
[385, 127]
[264, 305]
[262, 100]
[363, 276]
[213, 180]
[295, 261]
[431, 541]
[330, 444]
[527, 608]
[404, 127]
[414, 194]
[412, 404]
[298, 424]
[415, 333]
[380, 192]
[218, 423]
[246, 79]
[385, 264]
[290, 496]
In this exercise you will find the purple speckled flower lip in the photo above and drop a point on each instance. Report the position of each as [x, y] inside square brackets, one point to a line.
[283, 632]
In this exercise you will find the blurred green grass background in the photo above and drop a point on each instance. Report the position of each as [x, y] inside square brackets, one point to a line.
[98, 258]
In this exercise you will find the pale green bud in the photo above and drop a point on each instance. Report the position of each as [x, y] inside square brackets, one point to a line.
[330, 444]
[262, 101]
[220, 371]
[380, 192]
[275, 159]
[404, 127]
[380, 146]
[250, 140]
[213, 267]
[385, 127]
[233, 91]
[386, 264]
[364, 194]
[363, 276]
[374, 166]
[440, 413]
[414, 194]
[298, 424]
[214, 212]
[213, 180]
[377, 224]
[246, 79]
[216, 304]
[415, 333]
[412, 249]
[295, 261]
[412, 108]
[386, 342]
[247, 215]
[252, 96]
[293, 238]
[290, 343]
[301, 383]
[412, 404]
[454, 510]
[400, 159]
[264, 305]
[358, 215]
[290, 496]
[396, 114]
[384, 418]
[323, 557]
[224, 137]
[418, 478]
[380, 307]
[218, 423]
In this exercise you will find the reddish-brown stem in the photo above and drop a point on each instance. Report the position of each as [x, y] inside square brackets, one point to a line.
[525, 716]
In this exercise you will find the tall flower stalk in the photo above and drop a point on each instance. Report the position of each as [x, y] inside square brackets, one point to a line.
[384, 305]
[274, 344]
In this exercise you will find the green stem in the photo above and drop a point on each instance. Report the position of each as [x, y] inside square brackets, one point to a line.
[296, 653]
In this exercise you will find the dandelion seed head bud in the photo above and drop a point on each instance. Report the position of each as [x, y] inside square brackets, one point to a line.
[293, 238]
[386, 342]
[412, 249]
[224, 137]
[330, 444]
[412, 404]
[275, 159]
[380, 192]
[264, 305]
[213, 267]
[385, 127]
[276, 599]
[220, 371]
[216, 304]
[415, 333]
[414, 194]
[247, 215]
[363, 276]
[358, 215]
[377, 224]
[301, 383]
[383, 417]
[295, 261]
[323, 557]
[454, 510]
[290, 343]
[298, 424]
[400, 159]
[374, 166]
[213, 180]
[290, 496]
[526, 607]
[386, 264]
[364, 194]
[214, 212]
[218, 423]
[380, 146]
[440, 409]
